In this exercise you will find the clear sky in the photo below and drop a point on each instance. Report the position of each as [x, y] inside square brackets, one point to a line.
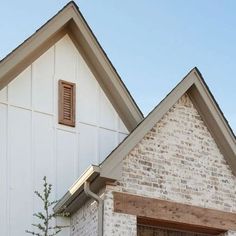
[153, 44]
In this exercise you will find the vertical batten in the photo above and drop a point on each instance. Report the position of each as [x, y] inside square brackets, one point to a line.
[54, 119]
[8, 168]
[76, 160]
[32, 142]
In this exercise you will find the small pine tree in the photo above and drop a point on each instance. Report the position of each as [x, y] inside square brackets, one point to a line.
[45, 228]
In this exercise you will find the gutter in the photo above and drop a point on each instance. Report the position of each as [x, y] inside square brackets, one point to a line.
[87, 185]
[64, 205]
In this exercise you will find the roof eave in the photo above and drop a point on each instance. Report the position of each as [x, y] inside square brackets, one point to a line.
[89, 175]
[75, 197]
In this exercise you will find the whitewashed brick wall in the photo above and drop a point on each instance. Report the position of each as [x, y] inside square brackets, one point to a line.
[177, 160]
[84, 221]
[116, 224]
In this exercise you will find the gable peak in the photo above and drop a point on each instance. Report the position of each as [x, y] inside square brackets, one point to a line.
[195, 87]
[70, 21]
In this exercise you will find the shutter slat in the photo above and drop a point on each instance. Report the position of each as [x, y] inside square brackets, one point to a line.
[66, 103]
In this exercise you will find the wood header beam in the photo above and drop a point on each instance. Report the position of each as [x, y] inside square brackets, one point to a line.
[175, 213]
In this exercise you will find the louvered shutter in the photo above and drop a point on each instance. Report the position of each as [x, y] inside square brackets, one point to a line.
[66, 106]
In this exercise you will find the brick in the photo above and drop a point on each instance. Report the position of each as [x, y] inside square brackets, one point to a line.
[177, 160]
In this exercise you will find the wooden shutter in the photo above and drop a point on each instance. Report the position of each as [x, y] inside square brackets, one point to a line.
[66, 106]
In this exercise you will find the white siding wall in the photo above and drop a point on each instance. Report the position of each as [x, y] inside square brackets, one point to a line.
[33, 144]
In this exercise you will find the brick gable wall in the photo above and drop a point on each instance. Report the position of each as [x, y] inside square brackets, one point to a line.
[177, 160]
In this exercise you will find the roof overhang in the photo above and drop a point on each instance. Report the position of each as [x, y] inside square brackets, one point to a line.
[70, 21]
[75, 196]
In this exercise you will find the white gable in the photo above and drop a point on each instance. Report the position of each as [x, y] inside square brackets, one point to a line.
[33, 144]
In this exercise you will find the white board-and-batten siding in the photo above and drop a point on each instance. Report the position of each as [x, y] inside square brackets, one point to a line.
[33, 144]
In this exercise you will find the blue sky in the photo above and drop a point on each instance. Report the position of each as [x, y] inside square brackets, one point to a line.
[153, 44]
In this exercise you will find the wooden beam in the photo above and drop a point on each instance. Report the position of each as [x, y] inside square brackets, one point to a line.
[173, 212]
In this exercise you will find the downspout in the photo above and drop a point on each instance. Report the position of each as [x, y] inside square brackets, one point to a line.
[100, 202]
